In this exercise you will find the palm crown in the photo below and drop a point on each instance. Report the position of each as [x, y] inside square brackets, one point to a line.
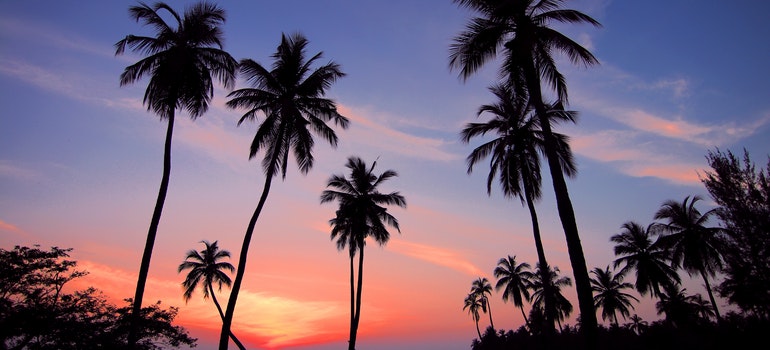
[206, 269]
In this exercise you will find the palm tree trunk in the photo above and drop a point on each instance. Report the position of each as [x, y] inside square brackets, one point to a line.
[526, 321]
[567, 216]
[489, 307]
[477, 328]
[711, 295]
[357, 320]
[222, 316]
[242, 263]
[144, 269]
[544, 271]
[352, 303]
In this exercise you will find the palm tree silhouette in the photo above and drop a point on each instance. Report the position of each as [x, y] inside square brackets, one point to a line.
[694, 247]
[676, 305]
[481, 287]
[207, 269]
[637, 325]
[562, 308]
[515, 281]
[290, 96]
[515, 155]
[609, 295]
[650, 260]
[181, 61]
[520, 28]
[473, 304]
[361, 214]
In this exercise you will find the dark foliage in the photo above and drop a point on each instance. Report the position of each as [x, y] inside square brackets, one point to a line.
[743, 196]
[37, 313]
[734, 332]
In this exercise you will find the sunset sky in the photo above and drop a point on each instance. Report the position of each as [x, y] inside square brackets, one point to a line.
[81, 158]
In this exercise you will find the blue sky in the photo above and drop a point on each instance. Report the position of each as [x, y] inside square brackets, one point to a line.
[80, 158]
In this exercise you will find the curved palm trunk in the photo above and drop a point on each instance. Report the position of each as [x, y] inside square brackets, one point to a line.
[547, 295]
[144, 269]
[242, 263]
[477, 328]
[356, 321]
[526, 321]
[489, 307]
[222, 316]
[711, 295]
[566, 216]
[352, 302]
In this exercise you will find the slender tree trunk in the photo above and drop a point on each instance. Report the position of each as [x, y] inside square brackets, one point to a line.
[711, 295]
[567, 217]
[548, 306]
[242, 263]
[352, 305]
[144, 269]
[357, 320]
[489, 307]
[477, 328]
[222, 316]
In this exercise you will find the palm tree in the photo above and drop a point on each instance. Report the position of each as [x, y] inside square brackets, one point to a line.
[515, 155]
[290, 96]
[694, 247]
[562, 308]
[181, 61]
[515, 281]
[650, 260]
[520, 28]
[637, 325]
[677, 305]
[361, 214]
[472, 304]
[481, 287]
[609, 294]
[207, 269]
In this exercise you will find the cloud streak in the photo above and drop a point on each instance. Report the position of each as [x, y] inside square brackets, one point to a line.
[435, 255]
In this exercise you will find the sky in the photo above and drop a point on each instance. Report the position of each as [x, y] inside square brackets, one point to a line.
[81, 158]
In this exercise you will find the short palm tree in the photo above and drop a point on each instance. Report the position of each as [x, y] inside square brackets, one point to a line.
[637, 324]
[562, 308]
[206, 269]
[677, 305]
[361, 215]
[482, 288]
[515, 153]
[636, 251]
[291, 99]
[182, 61]
[694, 246]
[473, 304]
[515, 280]
[609, 295]
[520, 28]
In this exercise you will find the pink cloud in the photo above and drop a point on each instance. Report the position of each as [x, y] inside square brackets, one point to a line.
[436, 255]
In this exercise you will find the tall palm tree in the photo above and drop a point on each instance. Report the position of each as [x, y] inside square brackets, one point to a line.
[472, 304]
[649, 259]
[694, 246]
[521, 29]
[291, 99]
[562, 308]
[361, 214]
[181, 61]
[514, 154]
[610, 296]
[207, 269]
[515, 281]
[481, 287]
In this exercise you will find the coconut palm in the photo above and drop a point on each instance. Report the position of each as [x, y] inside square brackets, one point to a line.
[647, 258]
[482, 288]
[520, 28]
[609, 295]
[207, 269]
[677, 305]
[361, 214]
[290, 97]
[515, 281]
[514, 154]
[181, 61]
[637, 324]
[473, 304]
[562, 308]
[694, 246]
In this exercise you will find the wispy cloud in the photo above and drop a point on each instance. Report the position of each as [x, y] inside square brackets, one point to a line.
[4, 226]
[365, 130]
[7, 169]
[436, 255]
[55, 37]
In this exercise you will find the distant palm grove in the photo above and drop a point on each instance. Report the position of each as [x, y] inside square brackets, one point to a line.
[725, 248]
